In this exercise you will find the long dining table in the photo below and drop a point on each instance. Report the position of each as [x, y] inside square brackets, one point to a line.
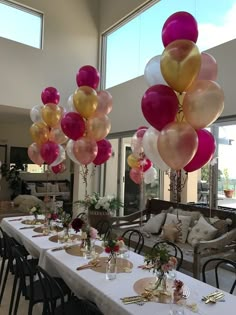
[92, 284]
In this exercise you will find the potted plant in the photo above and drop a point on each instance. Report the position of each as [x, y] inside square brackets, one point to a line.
[227, 190]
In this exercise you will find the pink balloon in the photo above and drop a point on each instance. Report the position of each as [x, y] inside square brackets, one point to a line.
[208, 70]
[104, 152]
[88, 76]
[50, 95]
[180, 25]
[136, 175]
[49, 152]
[85, 150]
[145, 164]
[104, 106]
[141, 131]
[205, 151]
[60, 168]
[34, 154]
[159, 105]
[73, 125]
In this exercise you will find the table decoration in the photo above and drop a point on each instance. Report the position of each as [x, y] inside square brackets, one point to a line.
[35, 211]
[78, 251]
[88, 235]
[161, 263]
[213, 297]
[31, 222]
[72, 238]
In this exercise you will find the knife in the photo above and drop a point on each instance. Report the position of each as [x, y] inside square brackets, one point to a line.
[39, 235]
[27, 227]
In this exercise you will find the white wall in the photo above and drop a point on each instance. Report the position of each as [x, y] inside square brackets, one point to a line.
[70, 41]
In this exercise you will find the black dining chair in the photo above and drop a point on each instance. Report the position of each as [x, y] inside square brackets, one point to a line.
[73, 306]
[134, 239]
[173, 249]
[104, 229]
[218, 264]
[28, 286]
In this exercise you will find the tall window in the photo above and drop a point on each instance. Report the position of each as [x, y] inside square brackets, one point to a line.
[130, 45]
[21, 24]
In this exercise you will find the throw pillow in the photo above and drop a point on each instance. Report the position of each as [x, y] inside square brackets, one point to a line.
[184, 226]
[170, 232]
[195, 215]
[154, 224]
[202, 231]
[220, 225]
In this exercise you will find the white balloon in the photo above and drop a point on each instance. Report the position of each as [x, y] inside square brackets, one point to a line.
[69, 151]
[150, 148]
[69, 106]
[150, 175]
[61, 156]
[36, 113]
[152, 72]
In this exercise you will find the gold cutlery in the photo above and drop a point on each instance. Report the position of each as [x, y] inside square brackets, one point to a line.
[15, 219]
[90, 265]
[134, 300]
[213, 297]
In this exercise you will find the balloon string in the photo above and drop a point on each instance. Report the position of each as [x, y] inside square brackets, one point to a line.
[177, 183]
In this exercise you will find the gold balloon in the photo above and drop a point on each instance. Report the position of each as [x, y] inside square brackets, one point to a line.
[51, 114]
[132, 161]
[203, 103]
[177, 144]
[180, 64]
[98, 127]
[39, 132]
[85, 101]
[56, 135]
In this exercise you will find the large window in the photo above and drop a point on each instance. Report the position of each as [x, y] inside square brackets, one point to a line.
[130, 45]
[21, 24]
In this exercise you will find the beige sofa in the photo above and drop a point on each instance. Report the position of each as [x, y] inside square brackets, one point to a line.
[220, 232]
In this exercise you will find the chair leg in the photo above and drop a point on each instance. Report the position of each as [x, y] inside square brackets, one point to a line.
[17, 298]
[13, 294]
[4, 281]
[30, 309]
[2, 270]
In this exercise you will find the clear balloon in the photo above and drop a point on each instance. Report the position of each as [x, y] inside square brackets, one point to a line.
[39, 132]
[61, 156]
[85, 150]
[203, 103]
[36, 114]
[56, 135]
[98, 127]
[177, 144]
[209, 69]
[137, 145]
[51, 114]
[70, 151]
[136, 175]
[180, 25]
[180, 64]
[69, 106]
[73, 125]
[104, 106]
[150, 176]
[104, 152]
[34, 154]
[159, 105]
[50, 95]
[150, 148]
[49, 152]
[205, 151]
[85, 101]
[152, 72]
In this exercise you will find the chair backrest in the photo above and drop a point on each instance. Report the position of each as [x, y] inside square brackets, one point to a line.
[48, 286]
[104, 228]
[81, 215]
[134, 238]
[174, 250]
[220, 263]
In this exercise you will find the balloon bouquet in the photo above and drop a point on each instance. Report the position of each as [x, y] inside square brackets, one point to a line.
[83, 122]
[46, 132]
[182, 99]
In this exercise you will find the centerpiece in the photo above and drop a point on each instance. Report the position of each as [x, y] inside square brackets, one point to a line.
[88, 235]
[161, 262]
[36, 211]
[100, 208]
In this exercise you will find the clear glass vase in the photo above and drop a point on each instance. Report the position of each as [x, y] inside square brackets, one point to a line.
[111, 267]
[160, 282]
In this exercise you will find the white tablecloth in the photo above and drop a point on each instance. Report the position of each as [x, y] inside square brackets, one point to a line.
[105, 293]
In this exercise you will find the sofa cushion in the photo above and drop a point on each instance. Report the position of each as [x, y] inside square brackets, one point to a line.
[170, 232]
[185, 223]
[195, 215]
[26, 202]
[155, 223]
[220, 225]
[202, 231]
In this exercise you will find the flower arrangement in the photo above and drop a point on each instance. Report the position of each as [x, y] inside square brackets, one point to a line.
[112, 247]
[98, 203]
[87, 231]
[65, 218]
[35, 210]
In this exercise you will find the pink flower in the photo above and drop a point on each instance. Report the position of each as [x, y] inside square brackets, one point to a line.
[93, 233]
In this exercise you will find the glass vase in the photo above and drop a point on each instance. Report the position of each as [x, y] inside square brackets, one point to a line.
[111, 267]
[160, 282]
